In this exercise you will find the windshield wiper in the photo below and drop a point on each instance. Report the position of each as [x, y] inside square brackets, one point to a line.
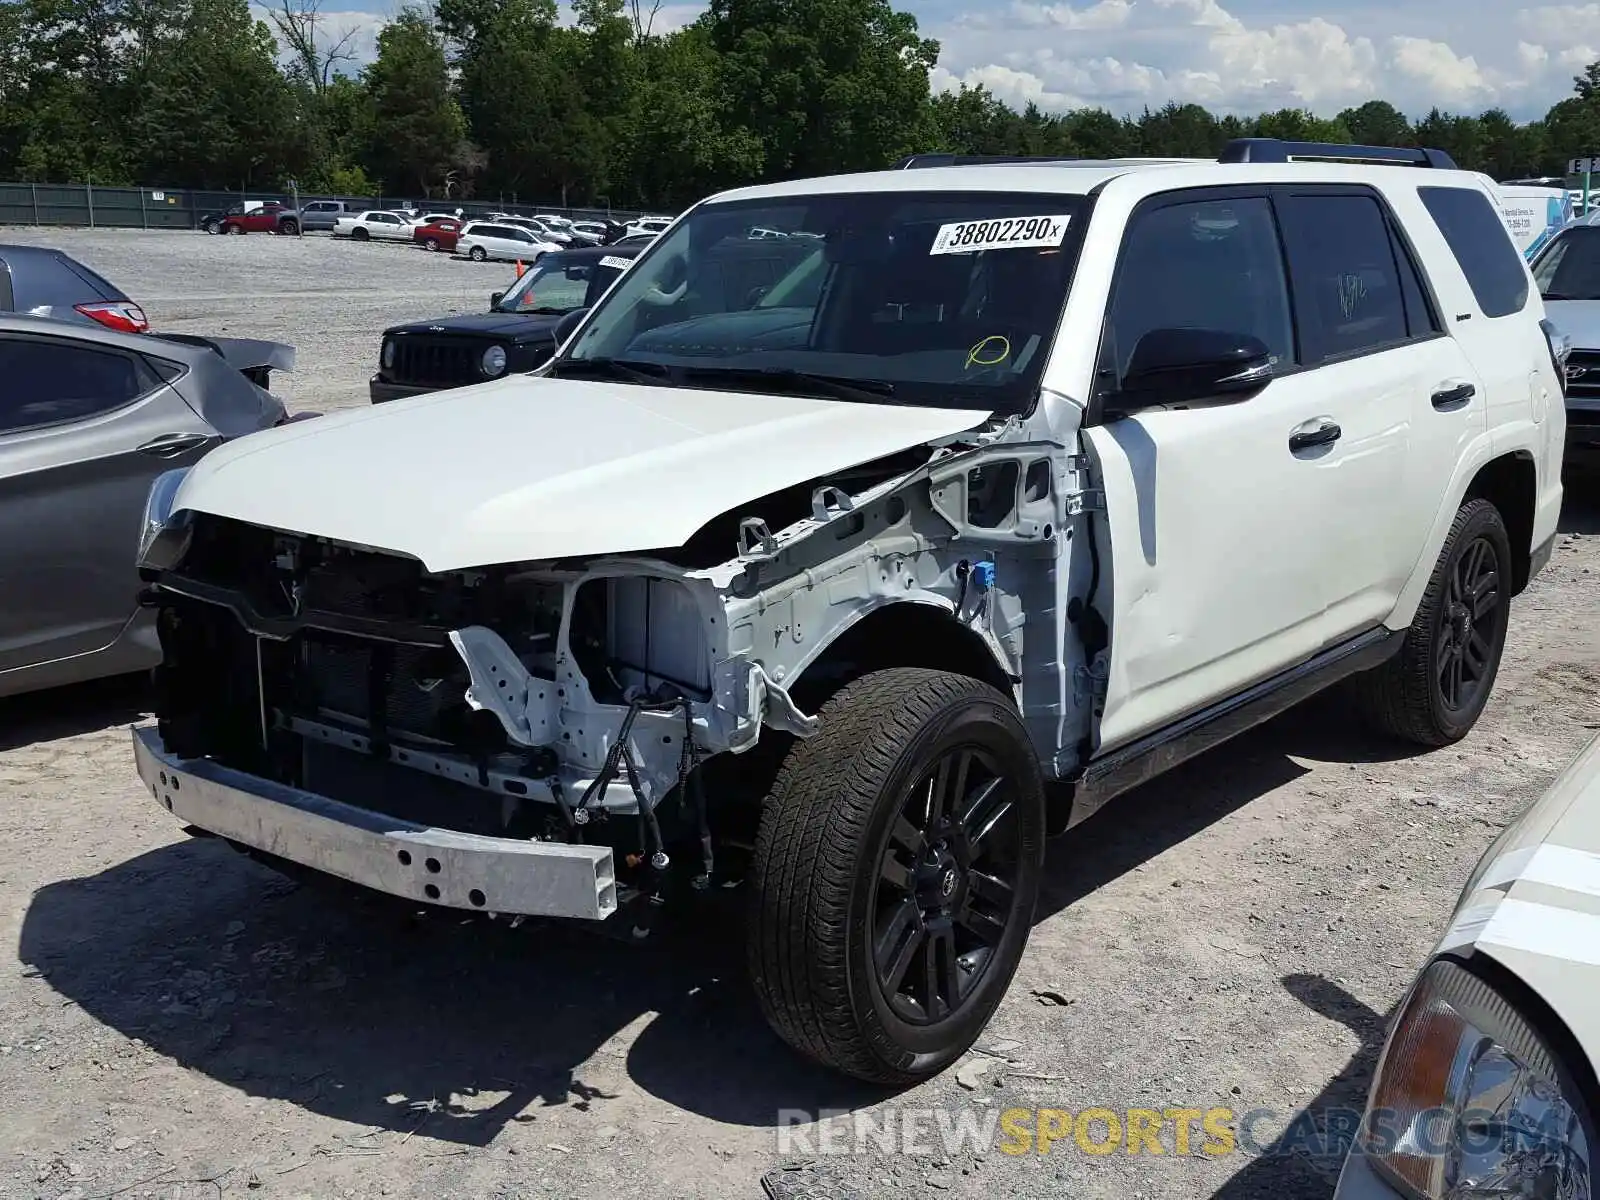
[542, 312]
[869, 391]
[613, 368]
[1555, 296]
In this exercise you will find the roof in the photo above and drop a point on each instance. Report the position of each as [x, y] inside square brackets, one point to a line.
[13, 250]
[1080, 178]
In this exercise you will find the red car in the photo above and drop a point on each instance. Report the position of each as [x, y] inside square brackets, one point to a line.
[437, 235]
[271, 217]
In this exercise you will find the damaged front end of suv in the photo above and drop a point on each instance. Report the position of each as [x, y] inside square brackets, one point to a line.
[536, 738]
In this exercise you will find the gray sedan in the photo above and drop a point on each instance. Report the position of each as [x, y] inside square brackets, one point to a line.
[88, 419]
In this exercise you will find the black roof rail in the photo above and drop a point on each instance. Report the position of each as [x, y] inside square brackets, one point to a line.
[1273, 150]
[972, 160]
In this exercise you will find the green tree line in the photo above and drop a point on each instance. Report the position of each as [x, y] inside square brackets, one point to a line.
[500, 97]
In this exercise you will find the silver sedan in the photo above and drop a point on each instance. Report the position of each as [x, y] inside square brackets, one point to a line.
[88, 418]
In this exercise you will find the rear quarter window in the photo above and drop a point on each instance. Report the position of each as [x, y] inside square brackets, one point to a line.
[1482, 246]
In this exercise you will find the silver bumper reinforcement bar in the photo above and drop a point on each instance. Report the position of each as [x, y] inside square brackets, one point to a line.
[431, 866]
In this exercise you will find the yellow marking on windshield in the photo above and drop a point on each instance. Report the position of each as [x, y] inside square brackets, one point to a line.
[973, 355]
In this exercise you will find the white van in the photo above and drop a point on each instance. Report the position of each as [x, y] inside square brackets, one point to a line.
[1532, 214]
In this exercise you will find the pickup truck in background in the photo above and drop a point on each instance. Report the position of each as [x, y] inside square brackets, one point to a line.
[320, 215]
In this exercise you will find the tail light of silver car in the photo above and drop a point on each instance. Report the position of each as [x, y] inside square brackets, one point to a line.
[122, 315]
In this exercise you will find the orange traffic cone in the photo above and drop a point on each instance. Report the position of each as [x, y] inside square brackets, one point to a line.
[520, 268]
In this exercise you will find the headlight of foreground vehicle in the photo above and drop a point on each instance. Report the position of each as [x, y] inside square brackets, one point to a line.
[494, 361]
[163, 539]
[388, 353]
[1468, 1102]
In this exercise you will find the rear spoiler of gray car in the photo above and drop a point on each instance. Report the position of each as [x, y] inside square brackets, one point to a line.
[248, 355]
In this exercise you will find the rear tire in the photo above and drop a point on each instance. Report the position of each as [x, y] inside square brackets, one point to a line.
[431, 245]
[886, 924]
[1433, 691]
[478, 254]
[359, 234]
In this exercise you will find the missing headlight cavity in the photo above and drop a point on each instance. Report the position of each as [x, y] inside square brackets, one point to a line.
[1036, 486]
[992, 494]
[639, 632]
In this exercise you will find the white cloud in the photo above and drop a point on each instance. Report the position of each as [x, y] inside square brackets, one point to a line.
[1062, 55]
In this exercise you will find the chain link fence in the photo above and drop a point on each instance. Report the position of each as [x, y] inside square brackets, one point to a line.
[85, 205]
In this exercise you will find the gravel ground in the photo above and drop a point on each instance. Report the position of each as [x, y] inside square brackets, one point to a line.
[330, 298]
[178, 1022]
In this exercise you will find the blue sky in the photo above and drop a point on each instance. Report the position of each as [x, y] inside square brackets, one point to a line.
[1235, 55]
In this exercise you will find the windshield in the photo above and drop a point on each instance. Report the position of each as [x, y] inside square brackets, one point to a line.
[942, 299]
[561, 283]
[1569, 268]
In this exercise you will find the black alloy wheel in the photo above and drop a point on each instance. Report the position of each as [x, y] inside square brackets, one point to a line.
[1466, 649]
[895, 873]
[947, 887]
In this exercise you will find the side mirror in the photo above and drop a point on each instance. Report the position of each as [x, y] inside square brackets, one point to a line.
[495, 298]
[1193, 367]
[755, 296]
[568, 323]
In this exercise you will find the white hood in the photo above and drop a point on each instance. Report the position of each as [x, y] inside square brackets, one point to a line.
[1578, 319]
[525, 469]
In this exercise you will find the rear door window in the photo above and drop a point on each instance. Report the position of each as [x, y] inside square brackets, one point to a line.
[53, 281]
[56, 380]
[1482, 245]
[1348, 289]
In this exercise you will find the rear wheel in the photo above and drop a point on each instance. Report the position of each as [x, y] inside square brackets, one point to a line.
[895, 874]
[430, 244]
[359, 234]
[478, 254]
[1434, 690]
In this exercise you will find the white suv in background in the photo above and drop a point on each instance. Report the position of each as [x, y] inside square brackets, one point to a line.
[810, 562]
[484, 240]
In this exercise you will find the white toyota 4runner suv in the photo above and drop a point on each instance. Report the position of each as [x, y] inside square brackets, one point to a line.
[998, 490]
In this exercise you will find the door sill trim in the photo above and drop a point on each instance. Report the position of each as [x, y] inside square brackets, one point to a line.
[1155, 753]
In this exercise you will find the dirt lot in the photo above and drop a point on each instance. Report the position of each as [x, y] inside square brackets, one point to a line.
[177, 1022]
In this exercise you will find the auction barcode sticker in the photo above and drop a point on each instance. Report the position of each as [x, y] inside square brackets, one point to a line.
[617, 261]
[1000, 233]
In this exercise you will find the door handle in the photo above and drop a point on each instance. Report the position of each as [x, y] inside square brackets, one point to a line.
[1319, 431]
[1453, 395]
[170, 445]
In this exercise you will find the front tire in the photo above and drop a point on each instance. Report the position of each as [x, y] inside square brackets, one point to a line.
[895, 874]
[478, 254]
[290, 228]
[431, 245]
[1433, 691]
[236, 230]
